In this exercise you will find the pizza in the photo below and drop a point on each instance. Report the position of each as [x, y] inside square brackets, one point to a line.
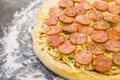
[79, 39]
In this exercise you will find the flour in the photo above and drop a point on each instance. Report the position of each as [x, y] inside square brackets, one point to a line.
[19, 60]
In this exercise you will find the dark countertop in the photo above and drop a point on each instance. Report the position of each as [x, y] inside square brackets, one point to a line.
[7, 9]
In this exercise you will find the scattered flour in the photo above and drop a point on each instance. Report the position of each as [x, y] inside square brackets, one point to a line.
[18, 47]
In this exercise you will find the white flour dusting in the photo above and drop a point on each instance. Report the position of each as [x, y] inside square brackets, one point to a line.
[58, 78]
[17, 43]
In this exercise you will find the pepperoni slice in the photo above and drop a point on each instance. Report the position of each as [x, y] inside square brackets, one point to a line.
[71, 28]
[112, 45]
[114, 18]
[83, 57]
[116, 58]
[101, 25]
[117, 2]
[114, 9]
[52, 21]
[55, 11]
[70, 11]
[66, 48]
[66, 19]
[86, 5]
[102, 63]
[109, 17]
[86, 30]
[107, 0]
[99, 36]
[78, 38]
[117, 27]
[50, 30]
[80, 10]
[65, 3]
[113, 35]
[101, 5]
[96, 48]
[82, 19]
[95, 15]
[55, 40]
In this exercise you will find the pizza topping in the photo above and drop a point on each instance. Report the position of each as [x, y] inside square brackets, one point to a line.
[85, 5]
[117, 2]
[70, 28]
[66, 19]
[86, 30]
[99, 36]
[70, 11]
[65, 3]
[116, 58]
[55, 40]
[50, 30]
[55, 11]
[113, 35]
[114, 18]
[107, 0]
[115, 9]
[83, 57]
[66, 48]
[102, 63]
[86, 33]
[82, 19]
[78, 38]
[117, 27]
[101, 5]
[112, 45]
[96, 48]
[52, 21]
[95, 15]
[101, 25]
[80, 10]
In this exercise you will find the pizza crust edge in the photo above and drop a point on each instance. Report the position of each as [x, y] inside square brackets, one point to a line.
[57, 67]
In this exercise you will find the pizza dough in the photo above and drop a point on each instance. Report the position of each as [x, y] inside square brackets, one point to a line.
[41, 49]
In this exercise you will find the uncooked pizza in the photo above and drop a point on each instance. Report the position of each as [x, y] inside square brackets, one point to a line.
[79, 39]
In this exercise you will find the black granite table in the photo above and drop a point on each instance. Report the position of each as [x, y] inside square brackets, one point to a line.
[7, 9]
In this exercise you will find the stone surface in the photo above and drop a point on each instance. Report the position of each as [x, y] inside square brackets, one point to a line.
[7, 9]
